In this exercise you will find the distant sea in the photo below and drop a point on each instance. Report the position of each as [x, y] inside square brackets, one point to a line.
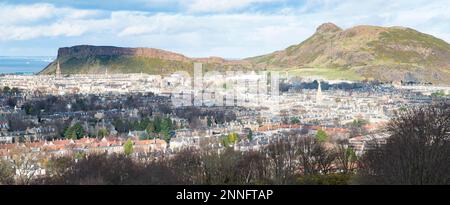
[25, 65]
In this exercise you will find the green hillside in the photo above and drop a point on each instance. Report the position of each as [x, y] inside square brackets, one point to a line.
[360, 52]
[99, 64]
[116, 64]
[372, 52]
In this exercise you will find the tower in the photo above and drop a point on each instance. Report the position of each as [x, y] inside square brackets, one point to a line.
[319, 96]
[58, 69]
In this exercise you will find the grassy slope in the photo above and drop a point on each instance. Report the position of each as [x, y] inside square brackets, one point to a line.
[129, 64]
[117, 64]
[327, 73]
[408, 37]
[361, 52]
[388, 54]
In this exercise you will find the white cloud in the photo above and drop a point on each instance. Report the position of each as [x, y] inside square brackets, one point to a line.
[25, 13]
[57, 29]
[237, 34]
[221, 5]
[23, 22]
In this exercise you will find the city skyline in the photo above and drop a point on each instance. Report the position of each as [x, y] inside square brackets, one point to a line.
[224, 92]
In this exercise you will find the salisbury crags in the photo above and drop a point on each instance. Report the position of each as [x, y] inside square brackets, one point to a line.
[87, 59]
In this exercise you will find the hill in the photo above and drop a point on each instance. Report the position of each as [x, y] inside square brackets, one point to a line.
[87, 59]
[372, 52]
[360, 52]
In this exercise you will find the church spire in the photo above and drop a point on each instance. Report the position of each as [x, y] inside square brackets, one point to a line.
[319, 96]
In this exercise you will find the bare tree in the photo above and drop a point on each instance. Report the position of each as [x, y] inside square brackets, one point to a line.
[417, 151]
[58, 167]
[305, 151]
[221, 168]
[324, 157]
[6, 172]
[25, 163]
[253, 168]
[345, 157]
[283, 159]
[187, 166]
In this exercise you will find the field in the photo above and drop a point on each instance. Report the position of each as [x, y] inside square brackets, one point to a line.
[327, 73]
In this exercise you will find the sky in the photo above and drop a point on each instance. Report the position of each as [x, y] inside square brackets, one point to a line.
[200, 28]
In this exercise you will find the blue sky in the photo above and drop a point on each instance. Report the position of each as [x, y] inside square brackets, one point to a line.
[200, 28]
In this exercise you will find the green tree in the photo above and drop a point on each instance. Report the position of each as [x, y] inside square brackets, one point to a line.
[229, 139]
[128, 147]
[79, 131]
[439, 93]
[136, 125]
[157, 124]
[295, 120]
[69, 133]
[74, 132]
[357, 127]
[250, 135]
[6, 90]
[150, 128]
[321, 136]
[120, 125]
[144, 123]
[225, 142]
[166, 127]
[166, 124]
[103, 132]
[233, 138]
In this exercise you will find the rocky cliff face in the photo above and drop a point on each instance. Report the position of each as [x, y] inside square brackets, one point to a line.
[87, 51]
[328, 28]
[87, 59]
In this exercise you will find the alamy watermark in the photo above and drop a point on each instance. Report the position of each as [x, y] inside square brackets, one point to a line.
[228, 88]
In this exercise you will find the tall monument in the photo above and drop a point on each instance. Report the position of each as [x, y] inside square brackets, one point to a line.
[319, 96]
